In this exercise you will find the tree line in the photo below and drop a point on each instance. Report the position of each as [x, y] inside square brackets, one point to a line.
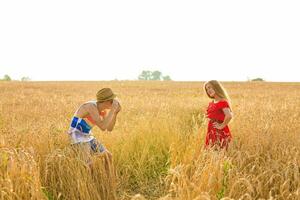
[6, 77]
[146, 75]
[153, 76]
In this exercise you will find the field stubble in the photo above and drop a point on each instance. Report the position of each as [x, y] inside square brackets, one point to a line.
[157, 143]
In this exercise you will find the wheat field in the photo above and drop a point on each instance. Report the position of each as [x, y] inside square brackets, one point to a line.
[157, 143]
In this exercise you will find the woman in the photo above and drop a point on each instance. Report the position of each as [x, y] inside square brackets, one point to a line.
[219, 114]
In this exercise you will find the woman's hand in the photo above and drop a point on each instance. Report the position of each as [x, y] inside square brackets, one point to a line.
[218, 126]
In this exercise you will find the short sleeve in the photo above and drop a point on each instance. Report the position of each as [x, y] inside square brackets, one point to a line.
[223, 104]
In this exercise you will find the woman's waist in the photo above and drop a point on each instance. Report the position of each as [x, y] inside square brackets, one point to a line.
[213, 120]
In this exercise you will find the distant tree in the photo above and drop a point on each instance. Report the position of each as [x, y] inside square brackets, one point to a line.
[145, 75]
[167, 78]
[25, 78]
[156, 76]
[6, 78]
[153, 75]
[257, 79]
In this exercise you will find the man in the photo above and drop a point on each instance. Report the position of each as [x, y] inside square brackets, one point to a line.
[94, 113]
[90, 114]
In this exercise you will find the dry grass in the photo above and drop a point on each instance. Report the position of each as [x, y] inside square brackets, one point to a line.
[157, 143]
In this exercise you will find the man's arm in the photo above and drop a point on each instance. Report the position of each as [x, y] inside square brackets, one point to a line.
[112, 124]
[105, 123]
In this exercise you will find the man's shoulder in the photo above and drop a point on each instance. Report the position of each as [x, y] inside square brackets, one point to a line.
[90, 104]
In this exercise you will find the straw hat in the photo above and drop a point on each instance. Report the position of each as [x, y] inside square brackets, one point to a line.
[105, 94]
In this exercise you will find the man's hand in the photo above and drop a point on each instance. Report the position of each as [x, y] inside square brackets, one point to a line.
[116, 107]
[119, 109]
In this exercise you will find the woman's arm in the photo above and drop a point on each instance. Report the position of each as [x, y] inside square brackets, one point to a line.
[228, 117]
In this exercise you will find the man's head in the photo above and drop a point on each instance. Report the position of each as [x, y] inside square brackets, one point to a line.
[105, 96]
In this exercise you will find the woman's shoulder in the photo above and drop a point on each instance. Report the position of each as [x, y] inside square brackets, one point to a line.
[223, 103]
[224, 100]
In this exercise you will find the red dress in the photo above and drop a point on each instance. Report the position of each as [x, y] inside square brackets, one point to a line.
[215, 136]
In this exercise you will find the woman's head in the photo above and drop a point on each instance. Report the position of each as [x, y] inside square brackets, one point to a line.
[214, 89]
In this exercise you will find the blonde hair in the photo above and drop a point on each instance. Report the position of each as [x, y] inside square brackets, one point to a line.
[218, 88]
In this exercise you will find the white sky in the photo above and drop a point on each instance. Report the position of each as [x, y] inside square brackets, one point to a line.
[188, 40]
